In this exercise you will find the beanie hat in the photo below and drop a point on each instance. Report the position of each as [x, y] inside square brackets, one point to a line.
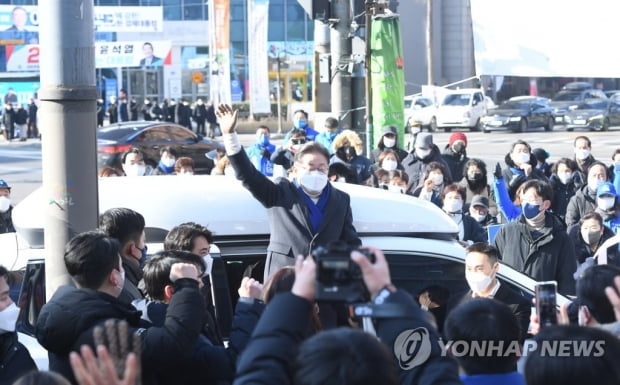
[457, 136]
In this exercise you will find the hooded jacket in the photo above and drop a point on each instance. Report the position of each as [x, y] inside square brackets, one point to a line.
[583, 251]
[562, 193]
[583, 202]
[455, 161]
[359, 163]
[550, 257]
[416, 167]
[68, 320]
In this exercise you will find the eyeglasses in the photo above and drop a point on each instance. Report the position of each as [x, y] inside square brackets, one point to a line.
[298, 141]
[323, 168]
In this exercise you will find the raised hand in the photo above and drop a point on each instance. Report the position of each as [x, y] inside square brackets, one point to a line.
[227, 118]
[498, 171]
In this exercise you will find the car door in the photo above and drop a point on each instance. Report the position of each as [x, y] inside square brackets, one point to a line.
[150, 141]
[478, 107]
[537, 115]
[614, 112]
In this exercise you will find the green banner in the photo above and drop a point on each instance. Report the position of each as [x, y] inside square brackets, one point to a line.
[387, 77]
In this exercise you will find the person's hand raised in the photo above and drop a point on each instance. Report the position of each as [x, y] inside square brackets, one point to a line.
[227, 118]
[498, 171]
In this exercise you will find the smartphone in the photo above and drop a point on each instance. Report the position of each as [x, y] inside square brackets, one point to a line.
[545, 293]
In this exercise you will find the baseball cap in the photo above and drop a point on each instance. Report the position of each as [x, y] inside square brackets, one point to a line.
[605, 189]
[389, 130]
[3, 184]
[480, 200]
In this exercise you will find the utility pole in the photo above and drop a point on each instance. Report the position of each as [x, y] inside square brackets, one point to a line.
[69, 143]
[340, 47]
[369, 12]
[429, 42]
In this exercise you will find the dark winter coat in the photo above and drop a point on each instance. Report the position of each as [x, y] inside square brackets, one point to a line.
[68, 320]
[582, 170]
[562, 193]
[112, 113]
[15, 361]
[270, 355]
[211, 362]
[21, 116]
[6, 221]
[123, 112]
[133, 110]
[550, 257]
[183, 115]
[200, 113]
[415, 167]
[583, 202]
[455, 161]
[583, 251]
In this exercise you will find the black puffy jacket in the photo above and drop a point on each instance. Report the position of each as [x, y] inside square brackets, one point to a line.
[15, 361]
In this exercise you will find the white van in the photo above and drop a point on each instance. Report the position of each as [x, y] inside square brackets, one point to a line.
[462, 109]
[418, 239]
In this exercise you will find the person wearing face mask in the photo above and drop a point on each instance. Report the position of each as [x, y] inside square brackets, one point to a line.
[168, 157]
[326, 138]
[536, 243]
[432, 187]
[260, 153]
[520, 166]
[283, 157]
[608, 207]
[479, 210]
[388, 161]
[67, 321]
[582, 147]
[541, 161]
[348, 149]
[588, 238]
[127, 226]
[132, 162]
[475, 183]
[388, 141]
[415, 163]
[304, 211]
[455, 154]
[6, 209]
[470, 230]
[15, 360]
[614, 168]
[300, 120]
[481, 267]
[584, 200]
[564, 187]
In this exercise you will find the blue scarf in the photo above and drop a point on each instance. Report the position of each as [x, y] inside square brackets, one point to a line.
[167, 170]
[316, 211]
[517, 171]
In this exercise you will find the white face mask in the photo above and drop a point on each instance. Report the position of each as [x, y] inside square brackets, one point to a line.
[168, 162]
[582, 154]
[478, 217]
[135, 170]
[422, 153]
[437, 179]
[522, 157]
[565, 178]
[389, 142]
[296, 147]
[395, 189]
[453, 205]
[5, 204]
[389, 165]
[415, 129]
[594, 183]
[606, 203]
[314, 181]
[478, 282]
[209, 262]
[8, 318]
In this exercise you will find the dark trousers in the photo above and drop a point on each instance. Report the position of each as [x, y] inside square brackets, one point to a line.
[200, 127]
[33, 130]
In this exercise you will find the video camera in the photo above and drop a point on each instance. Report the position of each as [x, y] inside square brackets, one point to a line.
[338, 278]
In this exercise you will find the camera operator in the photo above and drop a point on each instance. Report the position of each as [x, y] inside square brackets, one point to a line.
[409, 350]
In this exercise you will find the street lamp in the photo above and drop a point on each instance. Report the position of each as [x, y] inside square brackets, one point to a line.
[279, 58]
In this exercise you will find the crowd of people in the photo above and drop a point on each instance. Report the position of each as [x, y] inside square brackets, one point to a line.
[557, 222]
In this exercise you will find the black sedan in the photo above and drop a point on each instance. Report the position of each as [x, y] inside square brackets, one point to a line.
[594, 114]
[150, 137]
[519, 114]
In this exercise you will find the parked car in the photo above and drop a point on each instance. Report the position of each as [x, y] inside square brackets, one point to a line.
[594, 114]
[421, 110]
[150, 137]
[570, 96]
[610, 93]
[419, 239]
[519, 114]
[462, 109]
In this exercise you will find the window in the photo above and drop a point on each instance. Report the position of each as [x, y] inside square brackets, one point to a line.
[276, 31]
[294, 13]
[237, 12]
[237, 31]
[177, 134]
[194, 10]
[276, 12]
[296, 31]
[154, 134]
[172, 9]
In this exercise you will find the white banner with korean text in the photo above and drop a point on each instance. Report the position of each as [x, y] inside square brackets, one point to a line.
[258, 12]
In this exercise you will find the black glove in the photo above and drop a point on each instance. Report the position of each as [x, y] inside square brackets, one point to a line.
[265, 153]
[498, 171]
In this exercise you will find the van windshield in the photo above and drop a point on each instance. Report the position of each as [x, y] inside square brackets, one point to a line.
[457, 100]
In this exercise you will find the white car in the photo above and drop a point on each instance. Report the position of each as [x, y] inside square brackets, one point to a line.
[421, 110]
[462, 109]
[419, 239]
